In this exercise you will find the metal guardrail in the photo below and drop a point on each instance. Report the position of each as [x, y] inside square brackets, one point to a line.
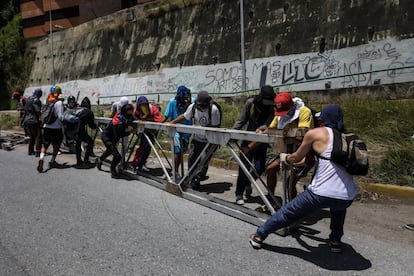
[214, 136]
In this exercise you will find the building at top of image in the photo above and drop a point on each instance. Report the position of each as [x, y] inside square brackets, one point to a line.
[66, 13]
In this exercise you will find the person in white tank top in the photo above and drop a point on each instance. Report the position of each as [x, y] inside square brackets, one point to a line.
[332, 187]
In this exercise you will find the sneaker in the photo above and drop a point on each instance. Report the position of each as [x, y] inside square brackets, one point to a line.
[195, 185]
[410, 226]
[89, 164]
[177, 178]
[255, 241]
[249, 191]
[98, 163]
[116, 175]
[239, 200]
[336, 247]
[145, 169]
[54, 164]
[82, 166]
[204, 177]
[40, 165]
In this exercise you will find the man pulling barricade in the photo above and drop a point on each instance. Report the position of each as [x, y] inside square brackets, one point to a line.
[204, 112]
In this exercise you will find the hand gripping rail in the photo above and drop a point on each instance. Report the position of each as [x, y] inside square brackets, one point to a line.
[215, 136]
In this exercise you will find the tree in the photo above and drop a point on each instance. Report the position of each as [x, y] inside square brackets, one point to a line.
[15, 59]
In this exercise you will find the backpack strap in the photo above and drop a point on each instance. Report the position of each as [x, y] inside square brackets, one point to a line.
[210, 111]
[322, 157]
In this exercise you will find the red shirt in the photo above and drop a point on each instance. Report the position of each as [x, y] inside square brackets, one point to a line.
[154, 116]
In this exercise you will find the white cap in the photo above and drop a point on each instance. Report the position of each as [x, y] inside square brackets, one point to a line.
[123, 101]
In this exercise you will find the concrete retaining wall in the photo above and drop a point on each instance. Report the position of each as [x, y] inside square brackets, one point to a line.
[296, 45]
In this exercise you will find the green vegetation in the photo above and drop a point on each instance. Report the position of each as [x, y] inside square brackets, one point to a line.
[8, 121]
[15, 59]
[397, 166]
[387, 126]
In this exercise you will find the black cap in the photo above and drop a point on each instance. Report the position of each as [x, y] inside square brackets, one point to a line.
[267, 94]
[203, 97]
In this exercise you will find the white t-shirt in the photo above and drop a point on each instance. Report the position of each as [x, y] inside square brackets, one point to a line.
[58, 109]
[201, 118]
[332, 180]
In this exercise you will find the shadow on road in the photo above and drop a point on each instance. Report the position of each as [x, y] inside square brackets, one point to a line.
[61, 167]
[321, 255]
[215, 188]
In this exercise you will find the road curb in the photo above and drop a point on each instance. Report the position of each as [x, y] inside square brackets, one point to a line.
[389, 190]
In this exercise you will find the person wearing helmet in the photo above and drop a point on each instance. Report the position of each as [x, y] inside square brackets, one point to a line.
[72, 102]
[52, 131]
[145, 112]
[177, 106]
[120, 126]
[55, 91]
[32, 123]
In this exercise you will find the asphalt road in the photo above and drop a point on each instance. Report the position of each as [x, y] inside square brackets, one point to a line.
[82, 222]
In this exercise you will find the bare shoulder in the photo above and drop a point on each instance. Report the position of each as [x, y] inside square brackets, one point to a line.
[316, 133]
[319, 138]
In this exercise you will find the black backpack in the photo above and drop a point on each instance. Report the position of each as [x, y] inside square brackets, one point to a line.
[212, 102]
[71, 121]
[349, 152]
[47, 114]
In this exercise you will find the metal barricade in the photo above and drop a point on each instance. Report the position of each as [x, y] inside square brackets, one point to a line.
[215, 137]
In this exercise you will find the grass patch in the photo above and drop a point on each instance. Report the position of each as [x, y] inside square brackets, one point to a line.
[397, 166]
[386, 125]
[9, 120]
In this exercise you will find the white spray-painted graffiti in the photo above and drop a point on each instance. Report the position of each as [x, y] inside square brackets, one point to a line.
[384, 62]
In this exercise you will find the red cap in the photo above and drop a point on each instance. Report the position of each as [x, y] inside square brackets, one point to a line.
[283, 103]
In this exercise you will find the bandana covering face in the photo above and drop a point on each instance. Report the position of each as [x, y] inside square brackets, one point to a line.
[292, 115]
[333, 117]
[145, 110]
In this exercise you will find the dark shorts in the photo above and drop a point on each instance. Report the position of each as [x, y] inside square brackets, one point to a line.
[52, 136]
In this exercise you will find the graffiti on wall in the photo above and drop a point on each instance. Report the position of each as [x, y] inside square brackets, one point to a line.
[388, 61]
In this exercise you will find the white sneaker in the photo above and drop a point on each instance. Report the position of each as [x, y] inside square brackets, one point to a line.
[145, 168]
[239, 200]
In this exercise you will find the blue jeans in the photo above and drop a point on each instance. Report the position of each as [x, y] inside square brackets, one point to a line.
[258, 157]
[302, 205]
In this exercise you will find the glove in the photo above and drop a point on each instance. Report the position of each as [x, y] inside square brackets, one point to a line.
[284, 160]
[283, 157]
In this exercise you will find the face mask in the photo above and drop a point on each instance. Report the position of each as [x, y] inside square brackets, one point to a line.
[145, 110]
[202, 107]
[291, 111]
